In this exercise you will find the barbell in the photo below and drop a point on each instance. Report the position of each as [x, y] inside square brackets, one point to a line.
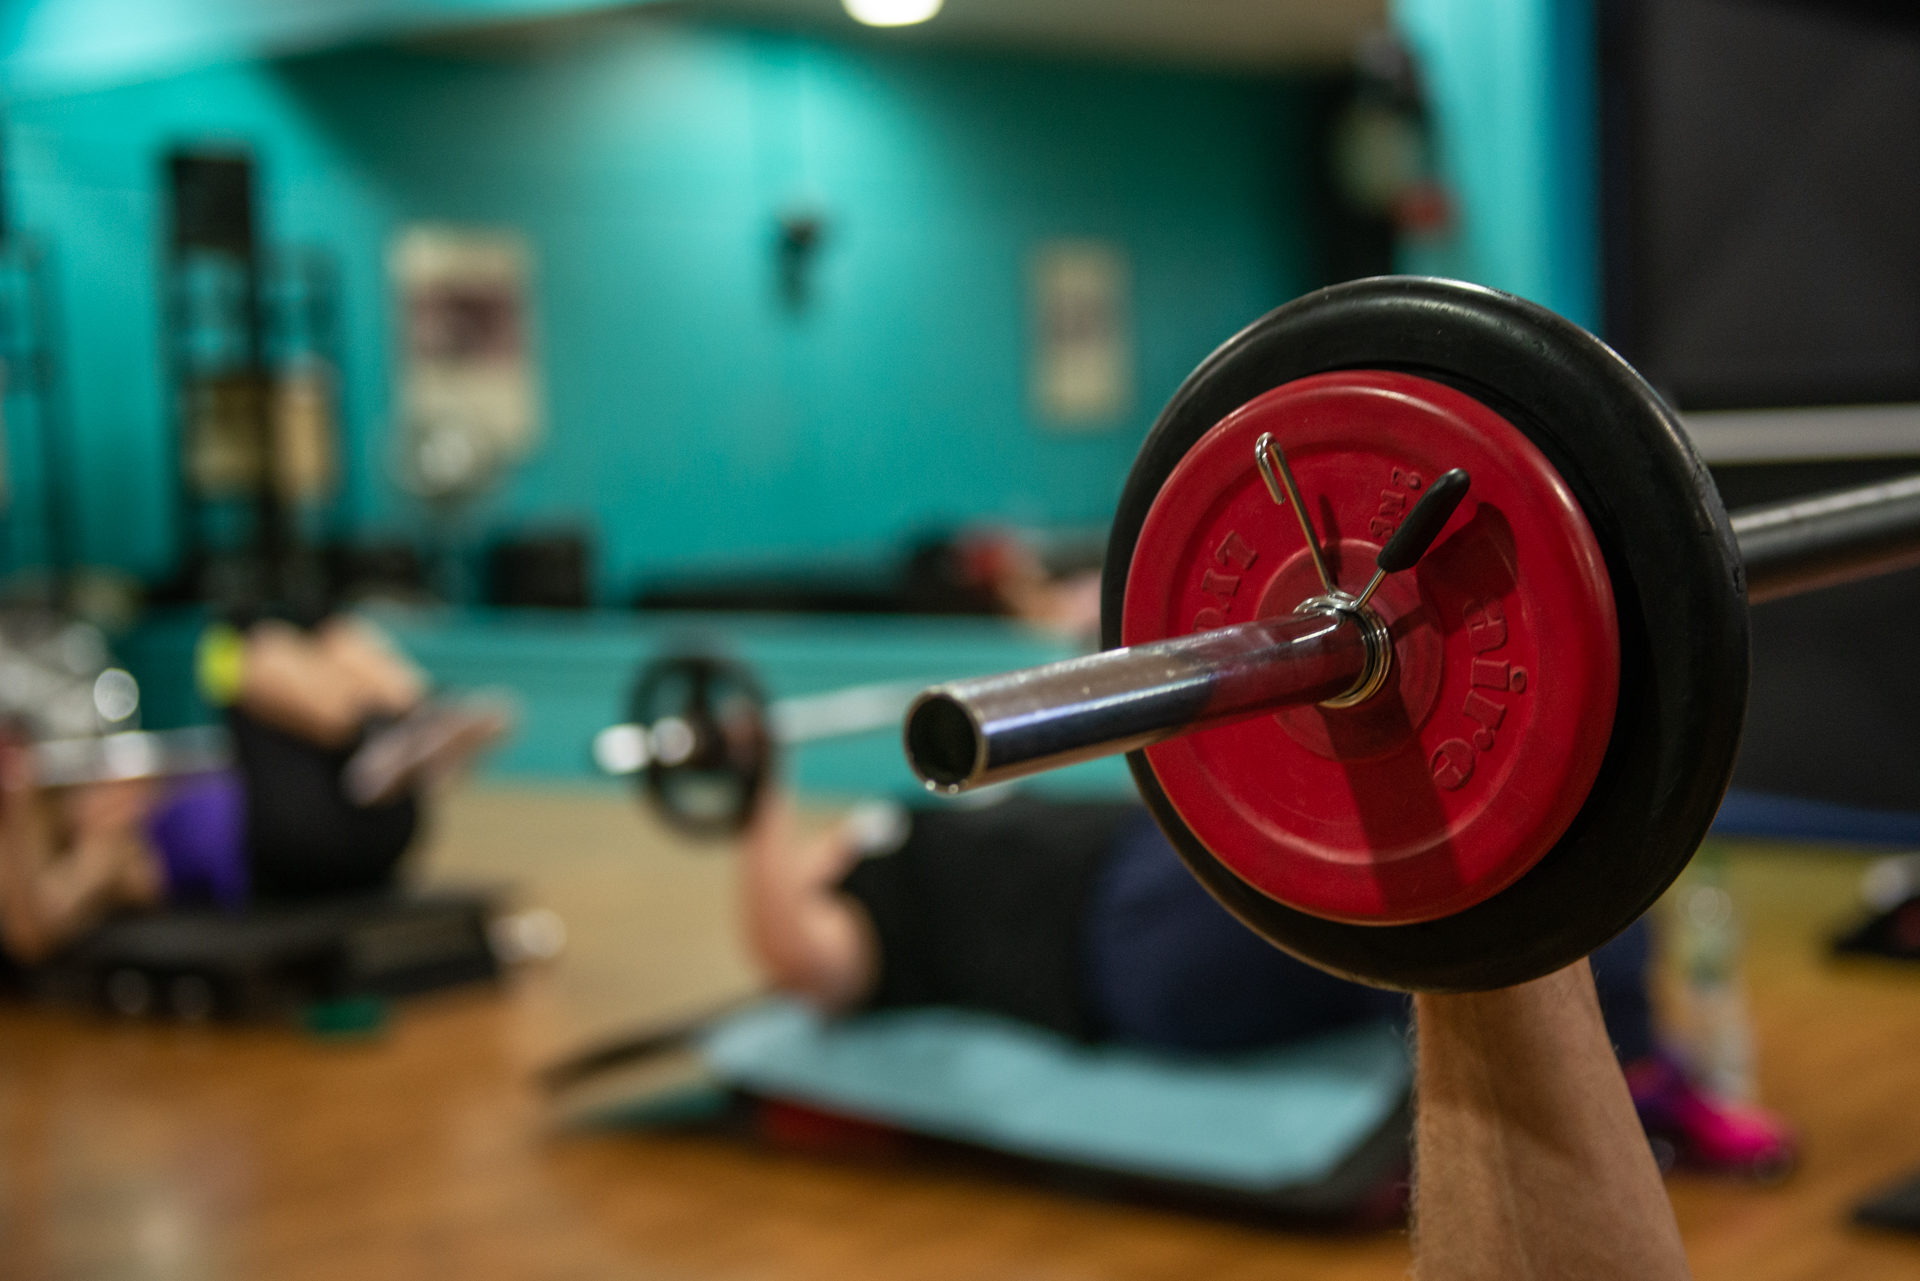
[701, 738]
[130, 754]
[1454, 769]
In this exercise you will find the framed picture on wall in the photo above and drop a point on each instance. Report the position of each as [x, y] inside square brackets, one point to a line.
[1082, 334]
[469, 397]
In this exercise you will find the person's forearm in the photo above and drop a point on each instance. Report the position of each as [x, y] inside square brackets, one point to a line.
[22, 935]
[1530, 1162]
[811, 941]
[74, 893]
[44, 907]
[25, 852]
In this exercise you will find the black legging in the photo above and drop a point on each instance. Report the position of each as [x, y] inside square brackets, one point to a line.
[305, 839]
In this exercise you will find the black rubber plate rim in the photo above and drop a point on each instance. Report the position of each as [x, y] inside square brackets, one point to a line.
[1678, 585]
[748, 777]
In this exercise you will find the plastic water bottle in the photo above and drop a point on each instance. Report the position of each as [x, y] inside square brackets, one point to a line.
[1719, 1028]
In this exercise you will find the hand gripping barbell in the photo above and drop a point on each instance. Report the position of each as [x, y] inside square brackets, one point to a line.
[1455, 774]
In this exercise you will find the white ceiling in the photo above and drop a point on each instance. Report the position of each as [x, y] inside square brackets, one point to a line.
[1245, 34]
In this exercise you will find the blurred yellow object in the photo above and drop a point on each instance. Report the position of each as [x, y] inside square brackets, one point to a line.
[219, 664]
[226, 447]
[304, 431]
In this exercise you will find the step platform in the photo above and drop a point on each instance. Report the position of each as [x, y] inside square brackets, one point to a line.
[272, 962]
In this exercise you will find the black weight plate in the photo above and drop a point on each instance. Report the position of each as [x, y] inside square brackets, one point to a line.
[1678, 584]
[722, 753]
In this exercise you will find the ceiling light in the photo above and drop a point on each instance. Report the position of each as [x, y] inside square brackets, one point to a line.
[892, 13]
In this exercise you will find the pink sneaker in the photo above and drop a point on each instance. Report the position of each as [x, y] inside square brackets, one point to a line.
[1691, 1128]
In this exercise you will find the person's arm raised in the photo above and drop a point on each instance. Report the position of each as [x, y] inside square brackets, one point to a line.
[49, 895]
[1530, 1162]
[812, 941]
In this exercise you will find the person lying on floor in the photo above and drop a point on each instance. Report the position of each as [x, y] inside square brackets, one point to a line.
[986, 569]
[1081, 919]
[336, 743]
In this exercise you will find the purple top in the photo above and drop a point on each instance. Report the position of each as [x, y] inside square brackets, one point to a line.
[199, 829]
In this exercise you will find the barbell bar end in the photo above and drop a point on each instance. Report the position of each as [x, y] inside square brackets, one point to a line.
[944, 742]
[622, 750]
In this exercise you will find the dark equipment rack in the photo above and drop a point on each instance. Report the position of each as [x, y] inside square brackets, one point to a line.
[239, 320]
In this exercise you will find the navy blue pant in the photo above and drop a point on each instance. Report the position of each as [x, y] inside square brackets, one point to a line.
[1169, 968]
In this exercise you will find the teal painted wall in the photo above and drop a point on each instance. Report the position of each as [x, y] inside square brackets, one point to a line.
[1511, 84]
[62, 45]
[693, 419]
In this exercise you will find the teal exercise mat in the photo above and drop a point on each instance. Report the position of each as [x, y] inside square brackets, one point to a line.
[1251, 1123]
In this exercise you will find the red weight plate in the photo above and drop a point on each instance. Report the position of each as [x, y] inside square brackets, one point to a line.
[1464, 770]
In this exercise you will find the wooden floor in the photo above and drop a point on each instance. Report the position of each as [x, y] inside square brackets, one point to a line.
[141, 1152]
